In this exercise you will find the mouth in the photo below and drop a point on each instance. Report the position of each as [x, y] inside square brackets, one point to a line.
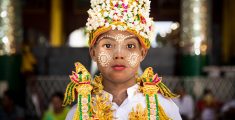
[119, 67]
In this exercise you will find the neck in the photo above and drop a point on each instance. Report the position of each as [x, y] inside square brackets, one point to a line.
[58, 111]
[118, 90]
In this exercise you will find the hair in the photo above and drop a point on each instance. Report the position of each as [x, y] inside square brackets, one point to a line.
[9, 94]
[60, 95]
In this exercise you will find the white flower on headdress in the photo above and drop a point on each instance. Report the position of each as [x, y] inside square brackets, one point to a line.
[99, 15]
[111, 15]
[106, 24]
[114, 2]
[106, 14]
[113, 27]
[115, 17]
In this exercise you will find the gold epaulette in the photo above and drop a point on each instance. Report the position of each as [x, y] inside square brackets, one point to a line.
[149, 75]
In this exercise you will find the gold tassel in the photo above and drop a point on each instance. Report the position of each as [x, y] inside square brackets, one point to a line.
[69, 95]
[165, 91]
[162, 114]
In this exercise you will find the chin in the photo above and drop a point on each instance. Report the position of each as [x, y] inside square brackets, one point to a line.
[119, 81]
[119, 77]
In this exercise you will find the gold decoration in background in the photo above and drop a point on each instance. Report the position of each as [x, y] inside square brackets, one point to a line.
[195, 26]
[57, 36]
[228, 34]
[10, 27]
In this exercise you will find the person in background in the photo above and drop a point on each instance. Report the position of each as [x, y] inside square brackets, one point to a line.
[185, 103]
[10, 110]
[207, 106]
[56, 111]
[228, 110]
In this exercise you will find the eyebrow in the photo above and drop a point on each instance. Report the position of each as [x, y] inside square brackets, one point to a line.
[105, 36]
[114, 38]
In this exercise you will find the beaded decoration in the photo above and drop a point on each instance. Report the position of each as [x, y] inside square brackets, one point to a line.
[81, 84]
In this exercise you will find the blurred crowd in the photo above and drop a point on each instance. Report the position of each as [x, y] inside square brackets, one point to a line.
[206, 108]
[10, 110]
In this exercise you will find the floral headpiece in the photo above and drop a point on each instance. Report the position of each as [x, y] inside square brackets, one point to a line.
[125, 15]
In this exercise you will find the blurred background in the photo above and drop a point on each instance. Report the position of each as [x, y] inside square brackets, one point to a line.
[193, 50]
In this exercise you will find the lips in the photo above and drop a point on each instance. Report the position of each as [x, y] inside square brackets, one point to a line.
[119, 67]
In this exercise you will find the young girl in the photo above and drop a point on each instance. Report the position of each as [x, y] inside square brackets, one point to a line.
[119, 32]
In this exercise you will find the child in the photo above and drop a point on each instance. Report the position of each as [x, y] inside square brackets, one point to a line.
[119, 34]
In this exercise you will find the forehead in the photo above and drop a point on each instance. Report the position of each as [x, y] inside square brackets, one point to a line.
[114, 33]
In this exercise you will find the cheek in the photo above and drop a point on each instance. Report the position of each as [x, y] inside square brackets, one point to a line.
[104, 59]
[133, 59]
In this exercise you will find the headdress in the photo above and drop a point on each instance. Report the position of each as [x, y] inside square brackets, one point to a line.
[129, 15]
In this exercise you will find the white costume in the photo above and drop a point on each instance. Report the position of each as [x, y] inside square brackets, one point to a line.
[135, 97]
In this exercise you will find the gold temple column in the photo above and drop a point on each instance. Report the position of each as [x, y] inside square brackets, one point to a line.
[10, 27]
[228, 43]
[10, 43]
[195, 26]
[56, 23]
[195, 35]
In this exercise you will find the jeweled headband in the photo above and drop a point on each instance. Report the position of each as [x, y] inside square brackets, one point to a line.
[125, 15]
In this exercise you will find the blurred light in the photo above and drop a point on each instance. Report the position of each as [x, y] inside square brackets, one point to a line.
[197, 45]
[169, 31]
[163, 28]
[196, 10]
[203, 48]
[3, 14]
[163, 34]
[5, 40]
[78, 38]
[174, 26]
[197, 51]
[196, 26]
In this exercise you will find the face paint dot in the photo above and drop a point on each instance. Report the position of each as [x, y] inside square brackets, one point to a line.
[133, 59]
[104, 59]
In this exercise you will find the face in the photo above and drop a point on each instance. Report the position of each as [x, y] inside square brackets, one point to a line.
[57, 103]
[118, 55]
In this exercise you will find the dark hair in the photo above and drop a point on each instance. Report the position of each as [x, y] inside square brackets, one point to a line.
[9, 94]
[60, 95]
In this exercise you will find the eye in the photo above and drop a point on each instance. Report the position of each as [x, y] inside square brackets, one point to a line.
[107, 45]
[130, 46]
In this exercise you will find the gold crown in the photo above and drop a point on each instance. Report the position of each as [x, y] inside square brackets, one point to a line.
[125, 15]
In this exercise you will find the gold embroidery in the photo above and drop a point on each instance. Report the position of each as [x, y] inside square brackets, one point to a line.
[101, 108]
[139, 114]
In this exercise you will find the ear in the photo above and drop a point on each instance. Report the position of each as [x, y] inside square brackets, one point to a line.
[92, 53]
[143, 53]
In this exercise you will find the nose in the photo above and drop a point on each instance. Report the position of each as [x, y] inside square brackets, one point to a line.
[118, 55]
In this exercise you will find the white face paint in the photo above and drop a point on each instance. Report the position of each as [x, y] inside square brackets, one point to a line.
[133, 59]
[104, 59]
[119, 38]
